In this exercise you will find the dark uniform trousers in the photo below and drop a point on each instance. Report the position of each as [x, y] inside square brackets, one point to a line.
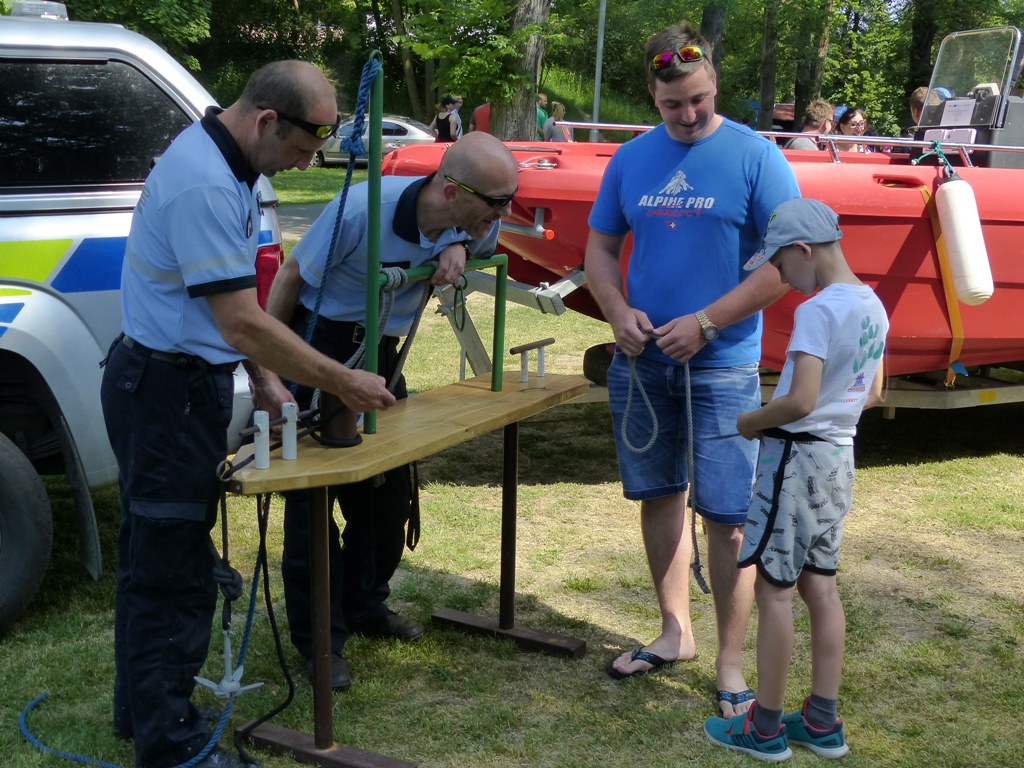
[365, 557]
[167, 418]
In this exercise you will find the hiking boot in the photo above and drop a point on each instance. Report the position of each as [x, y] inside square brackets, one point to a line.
[390, 625]
[341, 679]
[738, 733]
[829, 742]
[223, 758]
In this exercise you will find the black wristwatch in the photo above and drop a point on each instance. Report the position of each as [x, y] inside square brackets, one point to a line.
[707, 329]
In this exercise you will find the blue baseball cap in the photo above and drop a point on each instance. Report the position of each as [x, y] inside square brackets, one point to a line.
[798, 220]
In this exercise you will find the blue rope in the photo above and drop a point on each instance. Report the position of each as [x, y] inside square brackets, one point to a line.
[214, 737]
[353, 144]
[83, 760]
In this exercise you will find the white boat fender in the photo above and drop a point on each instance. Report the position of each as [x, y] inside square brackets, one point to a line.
[965, 244]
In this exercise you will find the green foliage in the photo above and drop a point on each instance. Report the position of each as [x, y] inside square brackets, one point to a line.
[255, 32]
[476, 45]
[174, 24]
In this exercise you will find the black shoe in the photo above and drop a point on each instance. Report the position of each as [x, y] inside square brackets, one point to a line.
[390, 625]
[341, 680]
[223, 758]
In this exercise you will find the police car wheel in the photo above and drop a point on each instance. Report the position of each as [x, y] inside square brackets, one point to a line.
[26, 532]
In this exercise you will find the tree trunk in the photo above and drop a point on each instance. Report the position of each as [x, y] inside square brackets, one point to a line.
[378, 24]
[923, 31]
[398, 16]
[712, 25]
[766, 105]
[517, 121]
[810, 70]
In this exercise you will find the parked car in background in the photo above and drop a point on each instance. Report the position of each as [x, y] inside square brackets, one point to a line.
[86, 109]
[397, 131]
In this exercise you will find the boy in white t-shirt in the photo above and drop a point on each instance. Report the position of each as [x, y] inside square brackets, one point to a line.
[805, 480]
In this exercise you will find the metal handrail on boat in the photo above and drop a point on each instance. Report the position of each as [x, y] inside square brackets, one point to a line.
[830, 140]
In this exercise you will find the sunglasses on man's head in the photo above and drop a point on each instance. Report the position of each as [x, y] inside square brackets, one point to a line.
[687, 54]
[494, 202]
[314, 129]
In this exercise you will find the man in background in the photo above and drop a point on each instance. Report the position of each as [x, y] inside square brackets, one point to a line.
[818, 119]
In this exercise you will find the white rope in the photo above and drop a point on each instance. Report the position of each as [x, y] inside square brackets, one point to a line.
[634, 382]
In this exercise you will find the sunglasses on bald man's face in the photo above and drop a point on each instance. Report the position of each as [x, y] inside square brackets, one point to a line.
[314, 129]
[494, 202]
[686, 54]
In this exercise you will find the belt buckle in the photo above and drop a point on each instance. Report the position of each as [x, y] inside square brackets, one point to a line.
[358, 334]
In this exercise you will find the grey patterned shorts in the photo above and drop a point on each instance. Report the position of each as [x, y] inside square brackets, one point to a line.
[802, 493]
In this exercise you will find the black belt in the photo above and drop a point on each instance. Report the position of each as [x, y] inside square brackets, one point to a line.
[796, 437]
[340, 329]
[177, 359]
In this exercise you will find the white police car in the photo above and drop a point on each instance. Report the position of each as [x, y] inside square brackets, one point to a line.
[85, 111]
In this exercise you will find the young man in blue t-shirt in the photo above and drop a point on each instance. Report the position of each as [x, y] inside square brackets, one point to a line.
[694, 193]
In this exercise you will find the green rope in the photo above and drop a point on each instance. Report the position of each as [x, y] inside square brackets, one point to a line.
[943, 160]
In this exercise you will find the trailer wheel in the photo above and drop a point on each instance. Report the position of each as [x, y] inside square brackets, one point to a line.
[596, 361]
[26, 532]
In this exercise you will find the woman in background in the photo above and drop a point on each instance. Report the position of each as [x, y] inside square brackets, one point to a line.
[852, 122]
[554, 132]
[441, 125]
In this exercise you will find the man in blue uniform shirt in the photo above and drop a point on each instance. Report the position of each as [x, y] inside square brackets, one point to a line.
[447, 216]
[696, 193]
[190, 314]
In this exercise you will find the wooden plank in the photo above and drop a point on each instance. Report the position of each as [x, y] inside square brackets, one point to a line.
[416, 427]
[300, 748]
[530, 639]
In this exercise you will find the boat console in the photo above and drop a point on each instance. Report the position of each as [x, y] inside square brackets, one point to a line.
[971, 97]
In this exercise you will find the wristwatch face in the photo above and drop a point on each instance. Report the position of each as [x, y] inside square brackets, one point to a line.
[708, 330]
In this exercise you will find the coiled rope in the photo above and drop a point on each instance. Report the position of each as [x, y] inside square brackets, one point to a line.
[636, 384]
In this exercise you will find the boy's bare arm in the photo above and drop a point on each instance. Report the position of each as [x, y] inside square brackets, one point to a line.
[790, 407]
[875, 396]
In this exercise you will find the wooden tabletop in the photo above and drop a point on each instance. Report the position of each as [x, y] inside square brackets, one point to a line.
[414, 428]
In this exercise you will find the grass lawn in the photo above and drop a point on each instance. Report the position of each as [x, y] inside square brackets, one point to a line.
[932, 578]
[315, 185]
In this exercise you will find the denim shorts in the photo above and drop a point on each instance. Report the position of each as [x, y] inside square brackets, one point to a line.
[723, 460]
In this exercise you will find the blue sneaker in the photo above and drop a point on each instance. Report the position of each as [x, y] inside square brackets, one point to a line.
[738, 733]
[830, 742]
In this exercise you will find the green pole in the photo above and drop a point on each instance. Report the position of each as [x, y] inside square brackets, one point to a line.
[500, 291]
[373, 235]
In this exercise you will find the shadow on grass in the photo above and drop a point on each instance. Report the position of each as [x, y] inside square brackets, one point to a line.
[919, 436]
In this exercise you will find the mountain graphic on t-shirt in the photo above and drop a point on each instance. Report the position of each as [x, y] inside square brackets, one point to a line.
[676, 185]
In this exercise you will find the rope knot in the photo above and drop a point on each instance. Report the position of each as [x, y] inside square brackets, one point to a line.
[396, 278]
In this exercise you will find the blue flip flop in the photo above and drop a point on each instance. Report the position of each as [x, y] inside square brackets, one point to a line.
[638, 655]
[734, 698]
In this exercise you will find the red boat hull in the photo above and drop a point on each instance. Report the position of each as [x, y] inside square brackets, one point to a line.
[888, 237]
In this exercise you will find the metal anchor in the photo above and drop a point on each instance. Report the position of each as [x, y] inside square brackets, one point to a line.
[230, 687]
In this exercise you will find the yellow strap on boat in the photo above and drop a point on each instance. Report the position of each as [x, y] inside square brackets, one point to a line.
[956, 325]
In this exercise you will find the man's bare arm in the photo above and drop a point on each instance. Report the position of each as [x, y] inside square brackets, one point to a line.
[604, 278]
[270, 344]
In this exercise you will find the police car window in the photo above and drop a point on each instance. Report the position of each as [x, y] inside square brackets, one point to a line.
[74, 123]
